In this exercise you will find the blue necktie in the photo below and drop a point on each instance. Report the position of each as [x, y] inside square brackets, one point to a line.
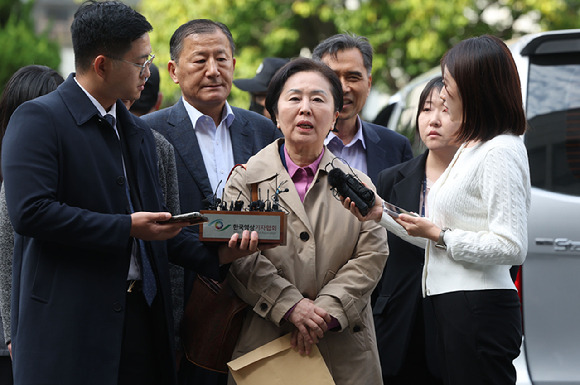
[149, 283]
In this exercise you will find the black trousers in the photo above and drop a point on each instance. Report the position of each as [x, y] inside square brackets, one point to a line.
[6, 370]
[142, 343]
[479, 335]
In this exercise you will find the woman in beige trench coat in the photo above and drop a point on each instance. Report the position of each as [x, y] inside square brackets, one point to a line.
[318, 285]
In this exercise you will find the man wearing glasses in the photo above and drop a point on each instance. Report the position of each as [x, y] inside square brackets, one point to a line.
[91, 299]
[143, 67]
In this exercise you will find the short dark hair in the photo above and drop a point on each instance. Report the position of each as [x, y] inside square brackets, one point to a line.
[25, 84]
[105, 28]
[193, 27]
[489, 85]
[293, 67]
[150, 93]
[434, 84]
[344, 41]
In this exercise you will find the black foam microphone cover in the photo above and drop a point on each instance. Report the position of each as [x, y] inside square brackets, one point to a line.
[349, 187]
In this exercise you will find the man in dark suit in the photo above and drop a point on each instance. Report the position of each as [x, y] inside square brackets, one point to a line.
[209, 136]
[91, 301]
[365, 146]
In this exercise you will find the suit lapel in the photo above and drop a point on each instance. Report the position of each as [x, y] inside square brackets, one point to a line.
[77, 102]
[240, 132]
[375, 153]
[185, 142]
[407, 191]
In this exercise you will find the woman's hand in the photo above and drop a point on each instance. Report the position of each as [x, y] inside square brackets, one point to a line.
[375, 213]
[311, 324]
[419, 227]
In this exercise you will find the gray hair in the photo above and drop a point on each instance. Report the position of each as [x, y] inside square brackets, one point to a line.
[194, 27]
[344, 41]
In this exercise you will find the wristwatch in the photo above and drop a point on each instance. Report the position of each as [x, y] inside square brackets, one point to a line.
[441, 241]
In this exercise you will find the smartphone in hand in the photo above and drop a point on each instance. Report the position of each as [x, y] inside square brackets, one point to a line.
[193, 218]
[394, 211]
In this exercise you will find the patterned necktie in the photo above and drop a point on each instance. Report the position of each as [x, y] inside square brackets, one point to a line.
[149, 283]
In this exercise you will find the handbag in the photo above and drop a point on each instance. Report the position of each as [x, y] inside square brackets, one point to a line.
[212, 321]
[211, 324]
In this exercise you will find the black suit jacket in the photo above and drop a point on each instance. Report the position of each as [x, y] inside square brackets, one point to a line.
[65, 189]
[385, 148]
[398, 296]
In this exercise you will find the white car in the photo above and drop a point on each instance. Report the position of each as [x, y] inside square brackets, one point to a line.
[549, 68]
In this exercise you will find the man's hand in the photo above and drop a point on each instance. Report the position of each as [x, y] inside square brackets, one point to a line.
[311, 322]
[239, 248]
[145, 226]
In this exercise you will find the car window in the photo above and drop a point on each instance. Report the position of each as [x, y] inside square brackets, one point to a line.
[553, 113]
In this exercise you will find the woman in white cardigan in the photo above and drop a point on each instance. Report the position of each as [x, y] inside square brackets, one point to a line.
[478, 210]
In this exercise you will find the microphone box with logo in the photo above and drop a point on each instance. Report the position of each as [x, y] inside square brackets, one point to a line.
[222, 224]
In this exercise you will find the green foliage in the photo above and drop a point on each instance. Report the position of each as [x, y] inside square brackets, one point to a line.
[5, 7]
[21, 46]
[260, 28]
[409, 36]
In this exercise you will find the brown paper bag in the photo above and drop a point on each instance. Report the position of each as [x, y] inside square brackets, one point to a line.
[277, 363]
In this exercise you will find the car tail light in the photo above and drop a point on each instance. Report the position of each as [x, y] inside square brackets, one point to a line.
[519, 285]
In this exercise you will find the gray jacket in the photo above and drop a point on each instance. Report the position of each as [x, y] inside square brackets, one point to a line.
[170, 188]
[6, 248]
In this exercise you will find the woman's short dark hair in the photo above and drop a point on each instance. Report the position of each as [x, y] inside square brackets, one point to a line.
[434, 84]
[489, 85]
[25, 84]
[293, 67]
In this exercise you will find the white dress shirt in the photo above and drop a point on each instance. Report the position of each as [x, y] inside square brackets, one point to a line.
[215, 144]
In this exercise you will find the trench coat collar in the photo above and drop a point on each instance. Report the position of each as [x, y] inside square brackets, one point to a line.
[266, 168]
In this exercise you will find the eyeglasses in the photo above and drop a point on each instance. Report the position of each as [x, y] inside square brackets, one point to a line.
[147, 64]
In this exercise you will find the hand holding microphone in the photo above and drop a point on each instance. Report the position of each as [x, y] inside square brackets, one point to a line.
[348, 186]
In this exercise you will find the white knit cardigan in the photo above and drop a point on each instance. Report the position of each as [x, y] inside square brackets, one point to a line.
[484, 198]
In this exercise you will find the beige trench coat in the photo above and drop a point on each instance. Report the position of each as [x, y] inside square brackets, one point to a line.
[330, 257]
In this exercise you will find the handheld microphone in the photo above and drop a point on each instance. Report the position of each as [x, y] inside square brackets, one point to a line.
[238, 206]
[348, 186]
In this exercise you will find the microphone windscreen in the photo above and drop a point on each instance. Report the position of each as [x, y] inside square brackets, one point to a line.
[336, 177]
